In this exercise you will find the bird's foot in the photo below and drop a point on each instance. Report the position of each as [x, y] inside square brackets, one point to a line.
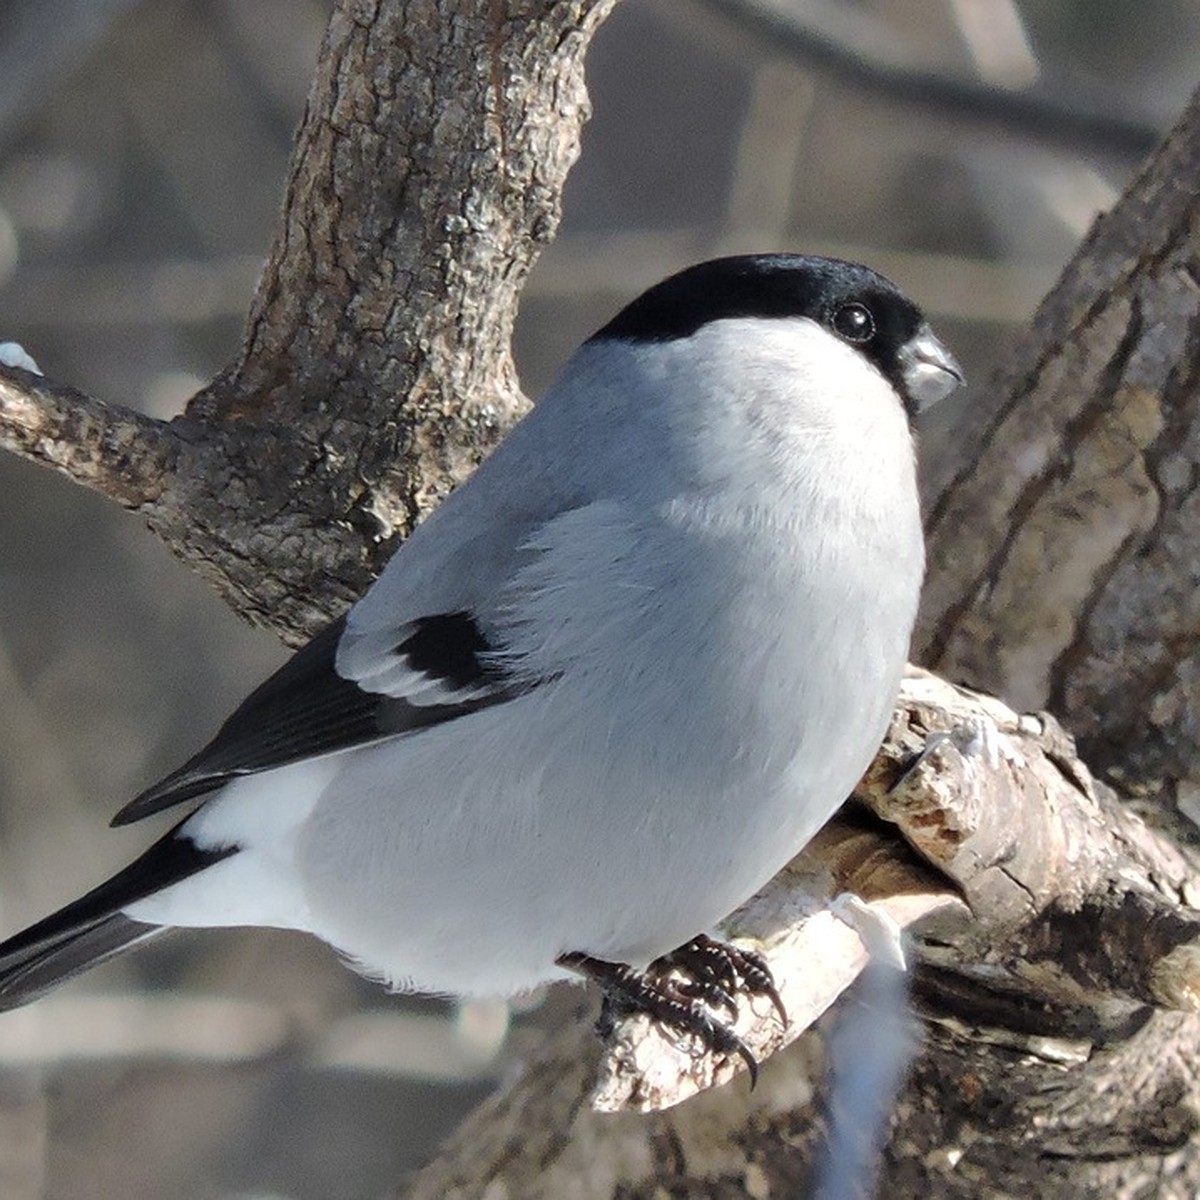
[718, 971]
[681, 989]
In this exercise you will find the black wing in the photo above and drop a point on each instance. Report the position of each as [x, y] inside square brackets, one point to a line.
[306, 708]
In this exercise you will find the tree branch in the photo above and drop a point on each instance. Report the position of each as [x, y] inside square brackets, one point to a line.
[871, 55]
[1076, 585]
[1073, 924]
[376, 369]
[116, 451]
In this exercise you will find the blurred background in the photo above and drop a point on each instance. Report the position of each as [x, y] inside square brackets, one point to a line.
[961, 146]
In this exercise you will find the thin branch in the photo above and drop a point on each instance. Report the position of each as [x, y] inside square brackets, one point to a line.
[120, 453]
[815, 953]
[852, 45]
[131, 1027]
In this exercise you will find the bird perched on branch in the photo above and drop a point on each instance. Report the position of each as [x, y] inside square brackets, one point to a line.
[604, 693]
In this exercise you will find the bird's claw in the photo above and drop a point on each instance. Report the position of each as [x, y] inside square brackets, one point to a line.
[713, 974]
[733, 969]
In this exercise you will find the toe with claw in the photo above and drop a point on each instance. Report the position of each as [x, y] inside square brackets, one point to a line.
[681, 990]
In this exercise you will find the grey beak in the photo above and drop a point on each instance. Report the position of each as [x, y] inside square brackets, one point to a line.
[929, 370]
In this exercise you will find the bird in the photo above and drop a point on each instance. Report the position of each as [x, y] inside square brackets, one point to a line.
[603, 693]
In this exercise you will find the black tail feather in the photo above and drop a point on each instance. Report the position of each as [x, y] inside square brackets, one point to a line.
[26, 976]
[93, 928]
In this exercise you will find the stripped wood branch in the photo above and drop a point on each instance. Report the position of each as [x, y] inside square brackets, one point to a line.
[814, 954]
[1078, 936]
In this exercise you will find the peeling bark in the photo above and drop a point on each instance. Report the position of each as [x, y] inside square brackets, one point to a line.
[1043, 982]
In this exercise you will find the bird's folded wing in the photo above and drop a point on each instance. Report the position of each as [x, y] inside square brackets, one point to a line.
[411, 653]
[413, 675]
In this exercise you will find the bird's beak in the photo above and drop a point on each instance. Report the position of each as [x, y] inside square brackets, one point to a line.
[930, 371]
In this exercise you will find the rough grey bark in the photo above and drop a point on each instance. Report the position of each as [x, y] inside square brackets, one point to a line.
[1059, 1038]
[376, 368]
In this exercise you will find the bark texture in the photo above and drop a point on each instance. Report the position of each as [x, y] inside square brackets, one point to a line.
[1059, 1033]
[1065, 556]
[376, 368]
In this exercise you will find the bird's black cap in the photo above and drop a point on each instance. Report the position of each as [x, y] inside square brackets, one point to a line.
[771, 285]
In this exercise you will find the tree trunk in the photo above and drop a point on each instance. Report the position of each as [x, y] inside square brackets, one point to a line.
[1058, 1030]
[376, 368]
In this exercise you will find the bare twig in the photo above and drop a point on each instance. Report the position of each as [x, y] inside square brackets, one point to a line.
[115, 451]
[129, 1027]
[855, 46]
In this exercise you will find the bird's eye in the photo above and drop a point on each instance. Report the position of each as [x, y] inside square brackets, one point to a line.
[854, 322]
